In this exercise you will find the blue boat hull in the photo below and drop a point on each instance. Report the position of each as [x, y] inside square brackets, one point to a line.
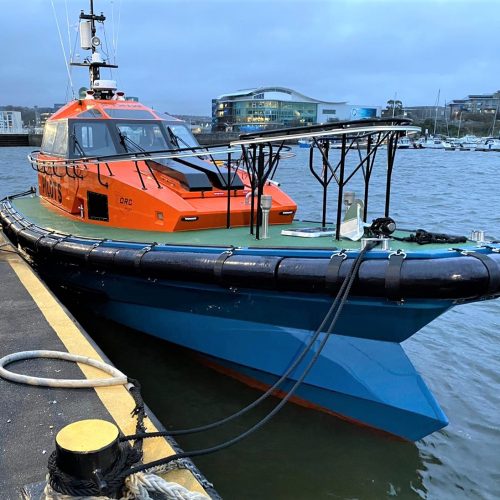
[259, 334]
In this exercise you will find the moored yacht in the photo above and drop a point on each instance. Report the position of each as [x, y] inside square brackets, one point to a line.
[430, 142]
[465, 143]
[489, 144]
[405, 143]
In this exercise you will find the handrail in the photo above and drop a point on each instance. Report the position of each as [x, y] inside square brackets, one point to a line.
[123, 157]
[345, 132]
[345, 124]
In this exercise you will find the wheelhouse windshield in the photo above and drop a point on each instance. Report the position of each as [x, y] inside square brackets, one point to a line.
[181, 136]
[136, 137]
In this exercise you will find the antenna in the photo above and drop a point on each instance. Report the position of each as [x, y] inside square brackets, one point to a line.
[62, 47]
[89, 41]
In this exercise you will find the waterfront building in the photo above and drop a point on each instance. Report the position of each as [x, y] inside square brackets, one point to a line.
[421, 113]
[11, 122]
[475, 103]
[274, 107]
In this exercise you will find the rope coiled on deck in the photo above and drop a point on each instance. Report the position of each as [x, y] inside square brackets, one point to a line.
[423, 237]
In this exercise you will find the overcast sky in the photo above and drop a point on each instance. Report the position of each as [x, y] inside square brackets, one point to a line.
[177, 55]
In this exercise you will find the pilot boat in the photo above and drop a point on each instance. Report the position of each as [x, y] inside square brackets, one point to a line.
[200, 246]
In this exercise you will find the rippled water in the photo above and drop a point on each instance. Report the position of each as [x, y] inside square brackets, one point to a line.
[303, 454]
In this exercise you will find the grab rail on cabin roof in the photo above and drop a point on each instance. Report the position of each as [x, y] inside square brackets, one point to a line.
[347, 125]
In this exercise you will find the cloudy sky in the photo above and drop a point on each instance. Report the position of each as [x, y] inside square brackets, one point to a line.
[176, 55]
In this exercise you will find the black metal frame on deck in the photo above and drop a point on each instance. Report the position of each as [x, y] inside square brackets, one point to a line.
[356, 135]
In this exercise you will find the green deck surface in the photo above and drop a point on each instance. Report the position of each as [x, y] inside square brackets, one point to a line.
[39, 212]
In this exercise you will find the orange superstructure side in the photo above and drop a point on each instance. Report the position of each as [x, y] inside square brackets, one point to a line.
[134, 192]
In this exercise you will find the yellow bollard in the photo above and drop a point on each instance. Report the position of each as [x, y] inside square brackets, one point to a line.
[87, 446]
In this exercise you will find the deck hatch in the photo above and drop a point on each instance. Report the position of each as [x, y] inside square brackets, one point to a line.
[97, 206]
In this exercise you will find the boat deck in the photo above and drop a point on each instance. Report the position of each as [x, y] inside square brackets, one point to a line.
[30, 417]
[44, 215]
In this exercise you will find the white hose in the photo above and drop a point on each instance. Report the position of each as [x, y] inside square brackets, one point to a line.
[117, 377]
[137, 485]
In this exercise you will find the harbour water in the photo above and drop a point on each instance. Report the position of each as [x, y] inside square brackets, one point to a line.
[303, 454]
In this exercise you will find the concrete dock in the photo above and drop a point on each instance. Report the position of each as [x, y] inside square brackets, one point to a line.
[16, 140]
[32, 318]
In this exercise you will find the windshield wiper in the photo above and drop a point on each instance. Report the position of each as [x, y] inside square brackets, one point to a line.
[124, 139]
[78, 146]
[175, 139]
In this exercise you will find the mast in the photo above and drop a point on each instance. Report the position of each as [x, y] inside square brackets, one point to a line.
[436, 115]
[494, 121]
[90, 41]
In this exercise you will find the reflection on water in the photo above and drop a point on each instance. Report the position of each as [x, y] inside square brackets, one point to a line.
[302, 454]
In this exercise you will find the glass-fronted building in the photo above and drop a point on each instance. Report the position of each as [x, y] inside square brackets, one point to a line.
[475, 103]
[274, 107]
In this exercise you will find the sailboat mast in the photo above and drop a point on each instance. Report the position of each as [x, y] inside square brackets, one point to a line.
[436, 114]
[494, 121]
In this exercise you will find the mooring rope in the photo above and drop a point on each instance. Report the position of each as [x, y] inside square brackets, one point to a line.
[138, 486]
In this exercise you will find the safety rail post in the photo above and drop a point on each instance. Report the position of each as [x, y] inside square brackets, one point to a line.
[140, 174]
[66, 165]
[229, 180]
[368, 173]
[275, 162]
[75, 170]
[110, 173]
[326, 144]
[341, 186]
[391, 153]
[260, 177]
[324, 181]
[252, 187]
[158, 185]
[105, 184]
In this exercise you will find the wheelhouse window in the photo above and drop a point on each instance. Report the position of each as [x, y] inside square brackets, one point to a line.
[130, 114]
[49, 136]
[61, 140]
[136, 137]
[55, 138]
[92, 139]
[90, 113]
[181, 136]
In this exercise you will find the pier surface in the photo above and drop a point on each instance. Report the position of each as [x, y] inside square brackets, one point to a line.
[31, 318]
